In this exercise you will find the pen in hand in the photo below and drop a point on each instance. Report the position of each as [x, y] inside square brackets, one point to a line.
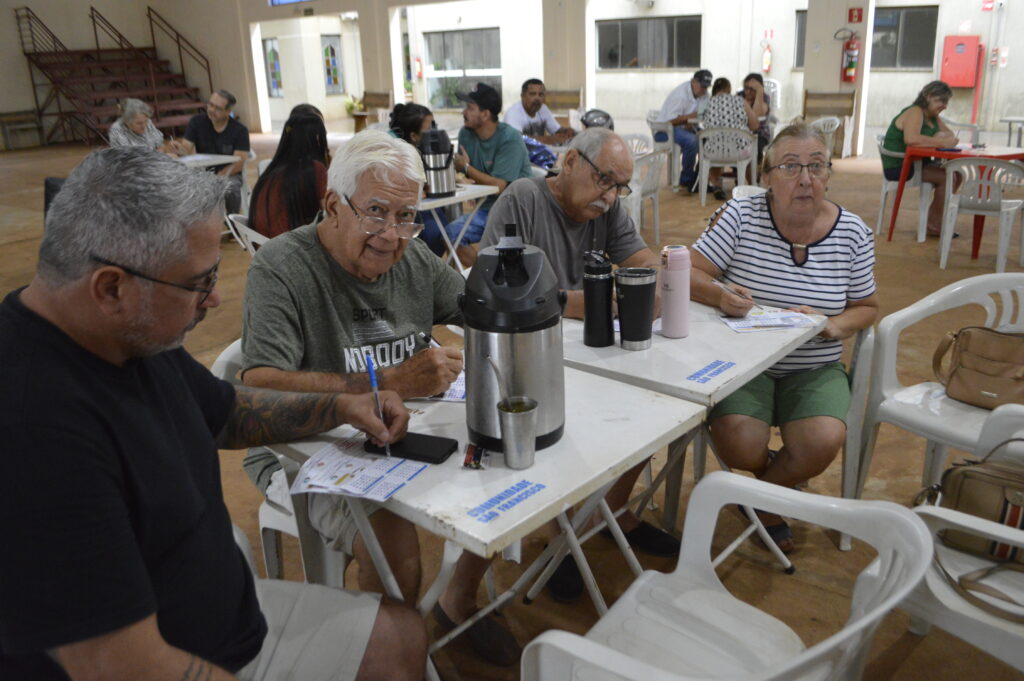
[725, 287]
[376, 396]
[429, 340]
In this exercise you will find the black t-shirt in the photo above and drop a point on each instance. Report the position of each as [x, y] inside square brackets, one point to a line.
[111, 502]
[200, 132]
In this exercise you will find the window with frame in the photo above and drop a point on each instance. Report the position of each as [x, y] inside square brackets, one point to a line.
[272, 60]
[904, 37]
[659, 43]
[457, 60]
[801, 38]
[330, 54]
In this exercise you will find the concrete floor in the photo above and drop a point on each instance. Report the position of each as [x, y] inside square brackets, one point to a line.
[813, 601]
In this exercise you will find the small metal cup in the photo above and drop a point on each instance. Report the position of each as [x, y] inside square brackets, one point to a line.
[518, 417]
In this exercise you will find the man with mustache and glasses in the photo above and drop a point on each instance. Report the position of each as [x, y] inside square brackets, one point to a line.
[119, 555]
[577, 211]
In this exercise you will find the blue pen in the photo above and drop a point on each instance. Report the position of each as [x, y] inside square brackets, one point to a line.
[376, 395]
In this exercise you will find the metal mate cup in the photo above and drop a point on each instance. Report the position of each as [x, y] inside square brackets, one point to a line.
[518, 418]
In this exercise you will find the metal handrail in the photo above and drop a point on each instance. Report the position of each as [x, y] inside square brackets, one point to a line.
[100, 21]
[30, 27]
[183, 44]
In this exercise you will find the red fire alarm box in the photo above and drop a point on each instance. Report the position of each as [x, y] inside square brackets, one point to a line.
[960, 60]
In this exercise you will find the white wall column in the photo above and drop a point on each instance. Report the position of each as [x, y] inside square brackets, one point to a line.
[565, 46]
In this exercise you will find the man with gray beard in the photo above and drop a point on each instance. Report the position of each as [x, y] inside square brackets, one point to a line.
[565, 216]
[576, 211]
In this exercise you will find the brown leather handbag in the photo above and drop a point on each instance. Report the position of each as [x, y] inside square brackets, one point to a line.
[986, 367]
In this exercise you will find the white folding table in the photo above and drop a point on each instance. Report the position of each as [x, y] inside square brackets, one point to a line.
[206, 160]
[609, 428]
[477, 193]
[712, 362]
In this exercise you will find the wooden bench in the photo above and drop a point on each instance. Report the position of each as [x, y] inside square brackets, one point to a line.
[376, 107]
[19, 121]
[821, 104]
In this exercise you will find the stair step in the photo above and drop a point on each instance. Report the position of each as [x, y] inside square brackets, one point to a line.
[160, 76]
[62, 66]
[101, 53]
[145, 95]
[162, 108]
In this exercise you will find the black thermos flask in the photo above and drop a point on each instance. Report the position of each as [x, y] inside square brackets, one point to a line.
[597, 300]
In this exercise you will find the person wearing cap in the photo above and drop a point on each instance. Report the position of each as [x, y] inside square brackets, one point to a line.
[681, 108]
[490, 152]
[532, 117]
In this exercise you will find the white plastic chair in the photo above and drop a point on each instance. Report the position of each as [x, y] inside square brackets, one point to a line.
[981, 193]
[675, 159]
[320, 563]
[889, 186]
[860, 375]
[246, 190]
[934, 601]
[957, 127]
[645, 181]
[742, 191]
[773, 89]
[639, 144]
[249, 238]
[923, 408]
[739, 150]
[685, 625]
[537, 171]
[828, 126]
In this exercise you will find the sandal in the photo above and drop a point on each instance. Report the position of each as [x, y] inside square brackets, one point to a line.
[782, 535]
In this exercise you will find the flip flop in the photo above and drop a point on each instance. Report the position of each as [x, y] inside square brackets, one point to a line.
[782, 535]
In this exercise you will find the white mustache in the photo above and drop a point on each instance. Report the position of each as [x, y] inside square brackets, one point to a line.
[600, 204]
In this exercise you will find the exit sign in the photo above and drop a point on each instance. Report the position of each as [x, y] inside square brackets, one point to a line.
[856, 15]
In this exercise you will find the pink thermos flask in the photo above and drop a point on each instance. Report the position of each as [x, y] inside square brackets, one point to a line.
[675, 292]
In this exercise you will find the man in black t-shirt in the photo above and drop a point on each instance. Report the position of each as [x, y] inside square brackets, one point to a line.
[119, 559]
[217, 132]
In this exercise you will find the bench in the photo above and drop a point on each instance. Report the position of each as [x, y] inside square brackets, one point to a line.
[19, 121]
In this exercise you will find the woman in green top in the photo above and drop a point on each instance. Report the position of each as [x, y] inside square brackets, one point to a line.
[919, 125]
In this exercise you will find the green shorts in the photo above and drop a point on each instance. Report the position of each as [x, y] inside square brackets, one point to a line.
[824, 391]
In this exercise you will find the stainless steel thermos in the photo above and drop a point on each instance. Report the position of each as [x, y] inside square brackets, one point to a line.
[436, 150]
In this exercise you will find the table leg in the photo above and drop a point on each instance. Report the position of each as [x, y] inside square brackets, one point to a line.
[1020, 129]
[448, 243]
[462, 232]
[613, 526]
[1009, 133]
[674, 480]
[904, 171]
[979, 229]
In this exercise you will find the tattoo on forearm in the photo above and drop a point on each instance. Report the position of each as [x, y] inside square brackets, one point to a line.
[269, 416]
[198, 669]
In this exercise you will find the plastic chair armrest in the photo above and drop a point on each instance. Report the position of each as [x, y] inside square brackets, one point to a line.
[560, 649]
[938, 518]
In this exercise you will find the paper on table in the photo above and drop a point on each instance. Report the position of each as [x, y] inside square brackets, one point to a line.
[456, 391]
[342, 467]
[768, 319]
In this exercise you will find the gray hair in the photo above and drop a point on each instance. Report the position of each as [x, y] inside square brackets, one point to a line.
[797, 130]
[591, 141]
[129, 205]
[227, 96]
[130, 108]
[377, 152]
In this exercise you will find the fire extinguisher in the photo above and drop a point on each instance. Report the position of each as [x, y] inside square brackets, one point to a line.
[851, 55]
[766, 57]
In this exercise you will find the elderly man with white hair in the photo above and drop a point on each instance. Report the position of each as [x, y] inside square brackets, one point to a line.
[320, 298]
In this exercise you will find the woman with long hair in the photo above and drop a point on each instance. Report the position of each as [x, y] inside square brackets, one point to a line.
[289, 192]
[919, 125]
[409, 122]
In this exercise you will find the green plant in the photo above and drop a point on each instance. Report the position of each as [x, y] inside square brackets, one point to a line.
[353, 104]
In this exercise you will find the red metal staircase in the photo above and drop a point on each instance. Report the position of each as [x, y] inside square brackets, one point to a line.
[77, 91]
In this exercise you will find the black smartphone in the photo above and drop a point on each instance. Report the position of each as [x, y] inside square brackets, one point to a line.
[419, 447]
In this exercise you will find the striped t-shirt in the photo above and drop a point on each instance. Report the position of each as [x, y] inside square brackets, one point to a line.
[751, 252]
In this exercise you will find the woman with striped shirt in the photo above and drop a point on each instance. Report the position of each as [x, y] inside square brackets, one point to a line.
[793, 249]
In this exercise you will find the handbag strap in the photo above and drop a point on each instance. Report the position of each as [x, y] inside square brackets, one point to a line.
[1001, 445]
[971, 581]
[940, 353]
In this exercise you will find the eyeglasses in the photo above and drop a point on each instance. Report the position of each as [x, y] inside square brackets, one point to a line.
[376, 226]
[604, 181]
[206, 288]
[793, 170]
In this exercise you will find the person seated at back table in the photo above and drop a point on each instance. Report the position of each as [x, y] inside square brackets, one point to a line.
[217, 132]
[134, 127]
[532, 117]
[319, 299]
[409, 122]
[682, 107]
[490, 152]
[919, 125]
[726, 110]
[760, 103]
[290, 191]
[119, 556]
[793, 249]
[565, 216]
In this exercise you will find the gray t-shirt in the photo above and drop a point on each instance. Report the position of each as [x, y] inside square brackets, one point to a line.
[305, 312]
[530, 204]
